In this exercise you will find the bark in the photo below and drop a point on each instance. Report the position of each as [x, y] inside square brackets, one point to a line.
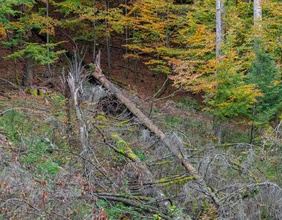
[133, 203]
[28, 72]
[147, 176]
[48, 38]
[257, 22]
[94, 31]
[82, 126]
[108, 40]
[219, 40]
[219, 27]
[218, 131]
[74, 83]
[68, 106]
[158, 132]
[126, 43]
[257, 15]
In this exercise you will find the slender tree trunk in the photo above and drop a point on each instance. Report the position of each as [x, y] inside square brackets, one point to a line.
[218, 131]
[257, 15]
[108, 54]
[16, 72]
[126, 43]
[219, 27]
[257, 22]
[28, 72]
[68, 106]
[219, 40]
[135, 70]
[167, 28]
[48, 37]
[94, 32]
[108, 39]
[252, 131]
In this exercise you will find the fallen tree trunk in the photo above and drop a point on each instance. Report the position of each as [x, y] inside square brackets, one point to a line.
[132, 202]
[158, 132]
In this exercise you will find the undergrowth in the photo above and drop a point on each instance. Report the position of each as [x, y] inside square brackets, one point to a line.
[43, 175]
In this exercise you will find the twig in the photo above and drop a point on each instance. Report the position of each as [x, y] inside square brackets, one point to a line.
[14, 85]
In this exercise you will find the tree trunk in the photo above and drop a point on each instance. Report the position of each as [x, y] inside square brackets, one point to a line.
[218, 131]
[257, 15]
[257, 22]
[219, 40]
[94, 31]
[108, 39]
[219, 27]
[28, 72]
[147, 176]
[48, 39]
[126, 43]
[153, 128]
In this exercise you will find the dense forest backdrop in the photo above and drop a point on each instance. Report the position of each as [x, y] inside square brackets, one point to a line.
[140, 109]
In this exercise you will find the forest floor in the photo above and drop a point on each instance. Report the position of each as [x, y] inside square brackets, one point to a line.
[141, 81]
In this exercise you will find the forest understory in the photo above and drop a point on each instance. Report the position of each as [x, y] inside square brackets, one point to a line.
[96, 160]
[145, 109]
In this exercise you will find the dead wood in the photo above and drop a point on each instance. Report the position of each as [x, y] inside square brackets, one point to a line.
[147, 176]
[132, 202]
[157, 131]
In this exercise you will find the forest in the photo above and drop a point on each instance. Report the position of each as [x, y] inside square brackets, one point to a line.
[141, 109]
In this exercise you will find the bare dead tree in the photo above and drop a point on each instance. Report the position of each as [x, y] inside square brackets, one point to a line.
[75, 82]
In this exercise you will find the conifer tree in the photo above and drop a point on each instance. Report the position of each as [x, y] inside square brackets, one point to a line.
[265, 75]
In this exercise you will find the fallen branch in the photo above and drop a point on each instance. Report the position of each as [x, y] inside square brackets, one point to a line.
[127, 152]
[133, 203]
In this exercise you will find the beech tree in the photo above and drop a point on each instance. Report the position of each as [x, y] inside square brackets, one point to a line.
[23, 25]
[236, 51]
[219, 26]
[108, 156]
[257, 15]
[149, 22]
